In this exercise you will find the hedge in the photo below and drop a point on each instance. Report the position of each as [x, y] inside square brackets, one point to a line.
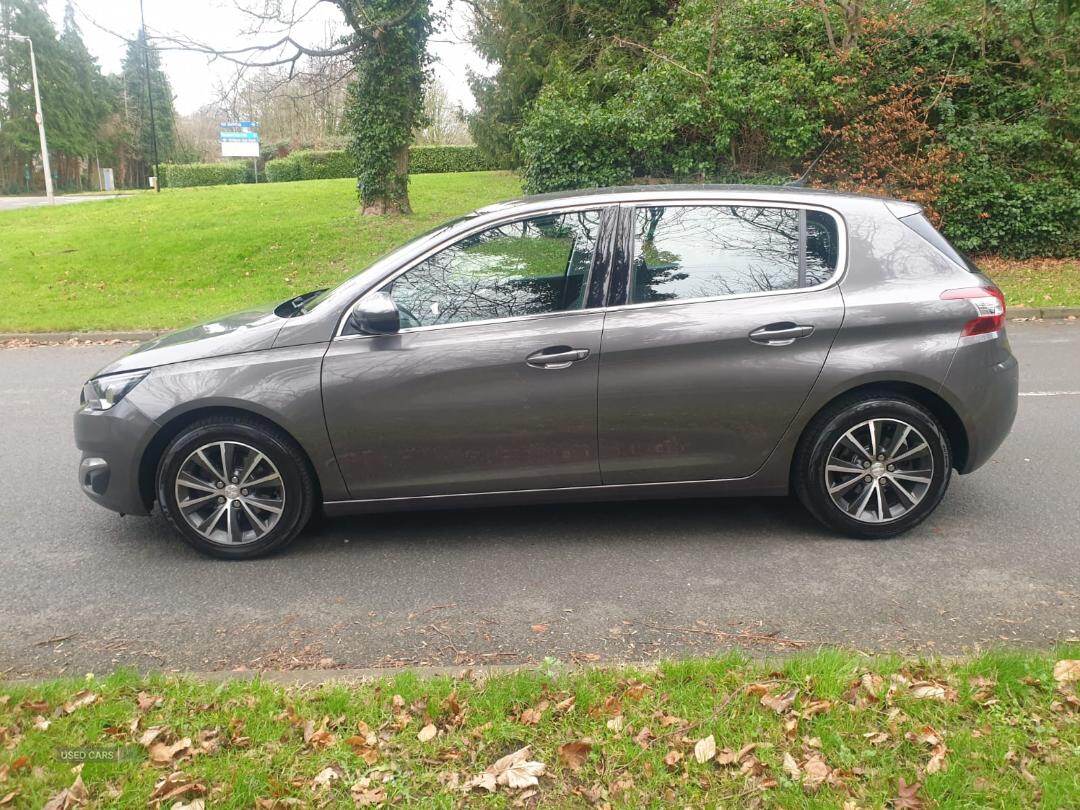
[179, 175]
[323, 165]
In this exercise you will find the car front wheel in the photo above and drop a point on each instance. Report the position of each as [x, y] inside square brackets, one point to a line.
[235, 488]
[873, 467]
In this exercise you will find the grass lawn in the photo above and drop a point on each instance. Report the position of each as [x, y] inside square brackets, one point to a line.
[831, 729]
[158, 261]
[152, 261]
[1035, 283]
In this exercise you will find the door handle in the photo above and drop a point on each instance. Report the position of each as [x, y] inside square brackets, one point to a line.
[780, 334]
[556, 357]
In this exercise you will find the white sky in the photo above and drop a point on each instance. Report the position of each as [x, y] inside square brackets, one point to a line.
[218, 23]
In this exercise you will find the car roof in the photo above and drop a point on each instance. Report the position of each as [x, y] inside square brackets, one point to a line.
[773, 193]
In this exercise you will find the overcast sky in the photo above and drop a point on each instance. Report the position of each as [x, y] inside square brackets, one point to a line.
[218, 23]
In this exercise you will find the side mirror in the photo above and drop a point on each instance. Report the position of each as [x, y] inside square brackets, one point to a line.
[376, 314]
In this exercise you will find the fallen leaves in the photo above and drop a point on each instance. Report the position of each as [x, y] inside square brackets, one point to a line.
[927, 736]
[515, 771]
[74, 796]
[81, 699]
[574, 754]
[907, 797]
[1067, 671]
[705, 749]
[328, 775]
[427, 733]
[176, 785]
[163, 754]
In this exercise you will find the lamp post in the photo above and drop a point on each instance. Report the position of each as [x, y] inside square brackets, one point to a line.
[40, 120]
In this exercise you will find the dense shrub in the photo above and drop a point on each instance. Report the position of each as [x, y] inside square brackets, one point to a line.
[966, 107]
[309, 164]
[987, 210]
[323, 165]
[178, 175]
[437, 159]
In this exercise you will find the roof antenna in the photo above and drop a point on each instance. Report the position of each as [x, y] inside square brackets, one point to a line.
[800, 181]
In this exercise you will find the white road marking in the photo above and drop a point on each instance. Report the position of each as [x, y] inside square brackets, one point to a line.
[1050, 393]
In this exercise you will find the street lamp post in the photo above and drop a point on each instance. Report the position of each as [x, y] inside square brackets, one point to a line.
[40, 120]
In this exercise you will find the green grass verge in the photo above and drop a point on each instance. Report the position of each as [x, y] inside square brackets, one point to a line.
[152, 261]
[825, 730]
[1036, 283]
[159, 261]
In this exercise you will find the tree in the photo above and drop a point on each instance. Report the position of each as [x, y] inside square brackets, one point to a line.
[75, 96]
[528, 42]
[136, 107]
[387, 43]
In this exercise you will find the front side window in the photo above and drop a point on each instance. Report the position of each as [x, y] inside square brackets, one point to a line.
[704, 251]
[529, 267]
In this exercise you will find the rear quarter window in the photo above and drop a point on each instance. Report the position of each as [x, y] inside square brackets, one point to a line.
[922, 226]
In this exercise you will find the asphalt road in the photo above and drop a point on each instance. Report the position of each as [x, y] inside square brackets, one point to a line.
[82, 589]
[14, 203]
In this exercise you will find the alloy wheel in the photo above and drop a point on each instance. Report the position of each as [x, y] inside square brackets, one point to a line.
[879, 470]
[230, 493]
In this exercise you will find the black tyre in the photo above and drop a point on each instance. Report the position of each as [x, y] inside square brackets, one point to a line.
[872, 467]
[235, 487]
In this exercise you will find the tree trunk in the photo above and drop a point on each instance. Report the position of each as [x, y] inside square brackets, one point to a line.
[397, 201]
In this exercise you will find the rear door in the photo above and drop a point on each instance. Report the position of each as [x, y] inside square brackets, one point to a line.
[490, 385]
[720, 326]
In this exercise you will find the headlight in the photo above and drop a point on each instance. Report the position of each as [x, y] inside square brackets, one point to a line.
[102, 393]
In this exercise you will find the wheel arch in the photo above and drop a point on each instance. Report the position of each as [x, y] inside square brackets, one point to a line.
[173, 427]
[955, 431]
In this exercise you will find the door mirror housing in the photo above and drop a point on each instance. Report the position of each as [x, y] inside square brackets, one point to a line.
[376, 314]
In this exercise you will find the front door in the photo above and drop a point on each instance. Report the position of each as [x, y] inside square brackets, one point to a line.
[726, 319]
[491, 384]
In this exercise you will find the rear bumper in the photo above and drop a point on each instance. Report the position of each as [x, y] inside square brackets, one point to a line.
[984, 381]
[112, 444]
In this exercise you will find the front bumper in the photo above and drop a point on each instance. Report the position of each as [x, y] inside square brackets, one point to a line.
[112, 444]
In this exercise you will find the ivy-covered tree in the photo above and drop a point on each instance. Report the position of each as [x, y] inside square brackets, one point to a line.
[386, 99]
[387, 43]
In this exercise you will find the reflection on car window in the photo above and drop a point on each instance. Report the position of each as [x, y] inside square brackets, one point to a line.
[706, 251]
[528, 267]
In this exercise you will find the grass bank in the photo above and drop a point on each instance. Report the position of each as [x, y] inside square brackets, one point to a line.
[151, 261]
[826, 730]
[1036, 283]
[159, 261]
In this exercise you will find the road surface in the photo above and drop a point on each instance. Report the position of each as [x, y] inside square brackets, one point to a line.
[83, 590]
[14, 203]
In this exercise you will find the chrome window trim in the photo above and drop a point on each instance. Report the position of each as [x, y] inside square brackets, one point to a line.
[599, 203]
[508, 218]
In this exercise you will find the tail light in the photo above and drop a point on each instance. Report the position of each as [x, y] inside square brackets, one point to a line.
[989, 306]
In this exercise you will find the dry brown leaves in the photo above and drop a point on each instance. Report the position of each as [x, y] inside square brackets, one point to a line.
[927, 736]
[83, 698]
[574, 754]
[74, 796]
[176, 785]
[514, 771]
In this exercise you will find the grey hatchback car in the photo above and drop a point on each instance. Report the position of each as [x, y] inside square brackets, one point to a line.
[625, 343]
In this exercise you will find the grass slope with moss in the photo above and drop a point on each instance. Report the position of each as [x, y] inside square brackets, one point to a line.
[826, 730]
[151, 261]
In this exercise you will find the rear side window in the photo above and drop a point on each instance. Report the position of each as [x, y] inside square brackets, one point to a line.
[705, 251]
[921, 225]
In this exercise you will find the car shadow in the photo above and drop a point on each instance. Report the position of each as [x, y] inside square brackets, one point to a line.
[722, 520]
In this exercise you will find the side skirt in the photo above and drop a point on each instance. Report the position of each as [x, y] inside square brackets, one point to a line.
[728, 487]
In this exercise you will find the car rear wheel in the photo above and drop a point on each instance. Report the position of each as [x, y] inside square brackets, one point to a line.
[235, 488]
[873, 467]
